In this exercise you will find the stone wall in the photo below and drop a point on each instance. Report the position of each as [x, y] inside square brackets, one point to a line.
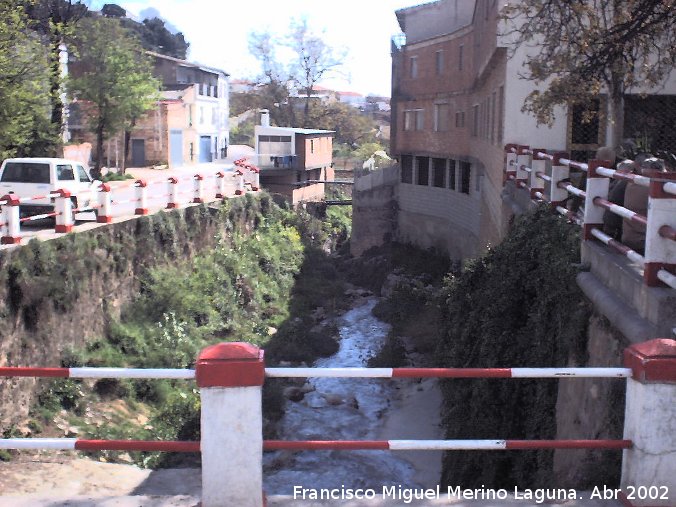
[61, 294]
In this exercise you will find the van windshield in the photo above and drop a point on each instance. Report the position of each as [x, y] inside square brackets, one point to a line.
[25, 172]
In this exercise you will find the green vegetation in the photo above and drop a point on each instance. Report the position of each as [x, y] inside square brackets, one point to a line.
[516, 306]
[116, 177]
[270, 268]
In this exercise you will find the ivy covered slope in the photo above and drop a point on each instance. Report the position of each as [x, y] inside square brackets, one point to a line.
[518, 305]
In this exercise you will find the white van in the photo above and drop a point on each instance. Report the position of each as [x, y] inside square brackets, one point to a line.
[35, 177]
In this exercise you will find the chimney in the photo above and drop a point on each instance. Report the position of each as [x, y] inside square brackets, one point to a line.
[265, 118]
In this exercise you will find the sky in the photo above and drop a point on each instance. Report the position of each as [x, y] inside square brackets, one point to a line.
[218, 33]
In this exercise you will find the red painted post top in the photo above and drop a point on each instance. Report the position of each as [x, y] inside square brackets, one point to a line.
[652, 361]
[234, 364]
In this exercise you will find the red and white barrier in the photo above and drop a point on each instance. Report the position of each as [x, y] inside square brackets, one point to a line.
[660, 246]
[198, 196]
[220, 185]
[11, 220]
[141, 197]
[172, 186]
[63, 208]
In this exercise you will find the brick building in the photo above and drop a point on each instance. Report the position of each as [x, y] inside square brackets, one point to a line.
[456, 101]
[293, 161]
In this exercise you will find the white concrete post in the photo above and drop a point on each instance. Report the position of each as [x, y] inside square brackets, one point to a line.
[230, 377]
[524, 159]
[255, 186]
[239, 189]
[11, 220]
[510, 161]
[538, 165]
[559, 173]
[648, 477]
[198, 197]
[172, 192]
[63, 206]
[105, 215]
[597, 186]
[660, 251]
[220, 185]
[141, 197]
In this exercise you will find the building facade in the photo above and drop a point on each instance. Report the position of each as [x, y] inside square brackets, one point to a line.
[294, 162]
[456, 101]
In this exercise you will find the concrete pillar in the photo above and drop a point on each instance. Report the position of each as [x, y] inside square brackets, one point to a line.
[230, 377]
[220, 185]
[199, 189]
[105, 214]
[510, 161]
[11, 220]
[660, 251]
[63, 207]
[172, 193]
[597, 186]
[141, 197]
[256, 184]
[239, 190]
[522, 158]
[559, 173]
[648, 468]
[538, 165]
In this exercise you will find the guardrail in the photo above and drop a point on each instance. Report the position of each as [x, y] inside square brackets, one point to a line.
[546, 176]
[231, 375]
[104, 207]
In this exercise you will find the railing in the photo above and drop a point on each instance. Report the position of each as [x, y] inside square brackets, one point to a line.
[230, 377]
[106, 205]
[546, 176]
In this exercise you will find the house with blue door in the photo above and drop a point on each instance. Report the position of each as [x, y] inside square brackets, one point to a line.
[189, 124]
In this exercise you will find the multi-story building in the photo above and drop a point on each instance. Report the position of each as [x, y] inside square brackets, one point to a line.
[456, 101]
[294, 162]
[188, 125]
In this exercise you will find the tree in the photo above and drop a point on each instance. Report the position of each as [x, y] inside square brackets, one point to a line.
[24, 87]
[115, 79]
[314, 59]
[55, 20]
[586, 47]
[155, 36]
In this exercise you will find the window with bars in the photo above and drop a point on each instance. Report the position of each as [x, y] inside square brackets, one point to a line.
[439, 172]
[423, 164]
[460, 119]
[406, 169]
[441, 117]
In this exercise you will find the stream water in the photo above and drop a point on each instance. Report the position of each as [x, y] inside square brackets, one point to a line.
[342, 409]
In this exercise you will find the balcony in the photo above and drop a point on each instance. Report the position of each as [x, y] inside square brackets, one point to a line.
[266, 161]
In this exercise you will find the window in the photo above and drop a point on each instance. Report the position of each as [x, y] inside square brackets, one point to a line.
[312, 145]
[82, 174]
[414, 119]
[65, 172]
[25, 172]
[201, 115]
[419, 119]
[475, 120]
[493, 102]
[423, 170]
[460, 119]
[501, 112]
[440, 117]
[414, 66]
[465, 176]
[406, 169]
[439, 170]
[461, 50]
[439, 62]
[451, 174]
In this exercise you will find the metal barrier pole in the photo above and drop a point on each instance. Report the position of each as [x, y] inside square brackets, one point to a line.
[230, 377]
[660, 248]
[597, 186]
[63, 206]
[648, 476]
